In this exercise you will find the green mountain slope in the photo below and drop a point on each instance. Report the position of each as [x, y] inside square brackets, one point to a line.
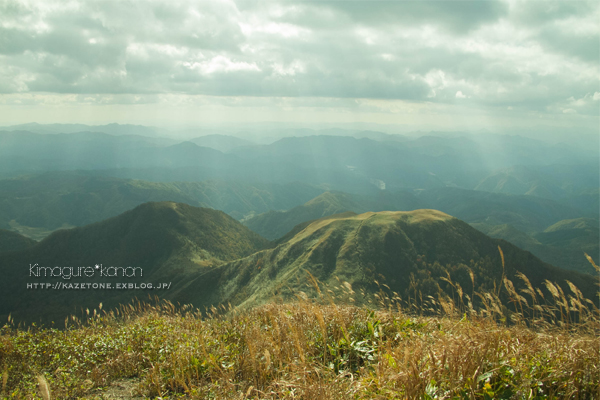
[587, 200]
[563, 248]
[508, 233]
[167, 241]
[12, 241]
[52, 200]
[557, 181]
[520, 220]
[207, 258]
[521, 180]
[575, 235]
[275, 224]
[526, 213]
[409, 251]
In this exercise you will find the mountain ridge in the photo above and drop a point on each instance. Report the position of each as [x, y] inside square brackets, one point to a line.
[409, 251]
[168, 241]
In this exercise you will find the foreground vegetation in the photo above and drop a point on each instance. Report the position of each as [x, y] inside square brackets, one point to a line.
[547, 347]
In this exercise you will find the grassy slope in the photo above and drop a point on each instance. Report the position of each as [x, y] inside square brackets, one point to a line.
[275, 224]
[306, 350]
[169, 241]
[517, 219]
[409, 251]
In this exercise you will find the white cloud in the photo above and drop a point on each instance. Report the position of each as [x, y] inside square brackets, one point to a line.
[220, 64]
[536, 58]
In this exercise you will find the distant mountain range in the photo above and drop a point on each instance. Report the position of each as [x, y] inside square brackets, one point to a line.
[111, 129]
[223, 143]
[354, 165]
[209, 259]
[38, 204]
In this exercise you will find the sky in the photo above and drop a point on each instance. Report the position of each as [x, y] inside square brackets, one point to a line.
[486, 64]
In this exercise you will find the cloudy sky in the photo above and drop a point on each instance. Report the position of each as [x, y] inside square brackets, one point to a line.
[433, 64]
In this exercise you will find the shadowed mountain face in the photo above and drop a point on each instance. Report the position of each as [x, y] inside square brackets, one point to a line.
[409, 251]
[12, 241]
[168, 241]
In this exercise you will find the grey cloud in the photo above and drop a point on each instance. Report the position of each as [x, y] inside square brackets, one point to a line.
[455, 16]
[14, 41]
[545, 18]
[460, 16]
[14, 11]
[586, 48]
[533, 13]
[199, 25]
[159, 47]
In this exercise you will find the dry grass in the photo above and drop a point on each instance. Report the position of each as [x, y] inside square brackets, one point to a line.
[536, 346]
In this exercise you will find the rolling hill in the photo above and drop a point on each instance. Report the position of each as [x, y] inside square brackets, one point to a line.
[494, 214]
[275, 224]
[167, 241]
[411, 252]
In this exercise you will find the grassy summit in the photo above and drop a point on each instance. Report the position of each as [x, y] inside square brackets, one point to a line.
[413, 253]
